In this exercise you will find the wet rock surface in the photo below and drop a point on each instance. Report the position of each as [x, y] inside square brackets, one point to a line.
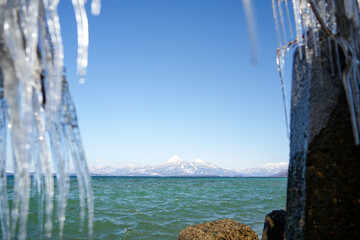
[274, 226]
[323, 201]
[332, 180]
[226, 229]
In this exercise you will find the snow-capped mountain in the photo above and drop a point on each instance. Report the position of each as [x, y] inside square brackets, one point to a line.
[114, 170]
[267, 170]
[176, 166]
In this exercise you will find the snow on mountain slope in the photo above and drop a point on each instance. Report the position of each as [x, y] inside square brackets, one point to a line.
[174, 161]
[269, 169]
[199, 162]
[176, 166]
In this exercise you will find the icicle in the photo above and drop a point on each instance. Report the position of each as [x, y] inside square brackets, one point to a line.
[288, 18]
[350, 98]
[83, 38]
[19, 116]
[324, 16]
[4, 207]
[338, 64]
[356, 91]
[298, 26]
[282, 22]
[60, 160]
[54, 85]
[250, 21]
[74, 142]
[95, 7]
[282, 50]
[9, 78]
[333, 23]
[280, 64]
[355, 94]
[44, 164]
[319, 60]
[331, 58]
[350, 8]
[313, 30]
[306, 21]
[276, 24]
[351, 86]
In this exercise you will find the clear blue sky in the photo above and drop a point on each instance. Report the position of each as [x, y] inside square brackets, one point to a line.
[173, 77]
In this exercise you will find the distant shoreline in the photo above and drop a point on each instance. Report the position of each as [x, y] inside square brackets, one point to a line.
[118, 176]
[115, 176]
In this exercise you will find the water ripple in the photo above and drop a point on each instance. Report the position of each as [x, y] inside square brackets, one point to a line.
[158, 208]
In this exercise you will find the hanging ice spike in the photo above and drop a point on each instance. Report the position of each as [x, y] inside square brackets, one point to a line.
[37, 114]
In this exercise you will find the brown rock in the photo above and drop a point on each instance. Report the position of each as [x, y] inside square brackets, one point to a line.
[225, 229]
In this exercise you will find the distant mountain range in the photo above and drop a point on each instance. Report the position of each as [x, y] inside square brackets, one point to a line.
[176, 166]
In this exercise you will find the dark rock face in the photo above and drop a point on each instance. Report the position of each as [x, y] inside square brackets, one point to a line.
[323, 200]
[274, 226]
[332, 180]
[226, 229]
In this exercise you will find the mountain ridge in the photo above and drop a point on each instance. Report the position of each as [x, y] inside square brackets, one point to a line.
[177, 167]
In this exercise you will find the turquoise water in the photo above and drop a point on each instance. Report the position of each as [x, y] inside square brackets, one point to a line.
[158, 208]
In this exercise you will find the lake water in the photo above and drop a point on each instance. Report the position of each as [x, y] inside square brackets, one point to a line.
[158, 208]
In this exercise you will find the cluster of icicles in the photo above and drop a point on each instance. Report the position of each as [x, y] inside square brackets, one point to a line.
[38, 117]
[311, 17]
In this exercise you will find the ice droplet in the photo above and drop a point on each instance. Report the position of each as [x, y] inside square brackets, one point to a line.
[95, 7]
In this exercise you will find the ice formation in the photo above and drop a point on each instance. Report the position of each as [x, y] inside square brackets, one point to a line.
[37, 115]
[250, 20]
[311, 19]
